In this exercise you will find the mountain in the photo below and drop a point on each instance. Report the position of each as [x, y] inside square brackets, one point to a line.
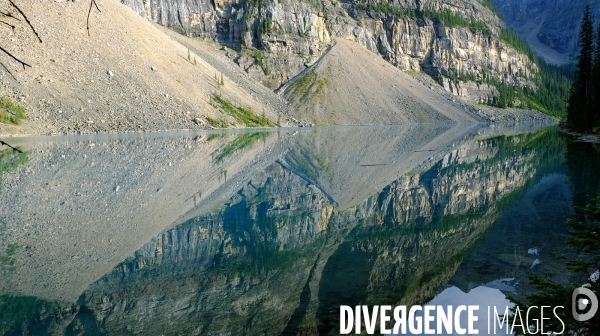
[126, 76]
[550, 27]
[132, 75]
[463, 45]
[348, 80]
[447, 39]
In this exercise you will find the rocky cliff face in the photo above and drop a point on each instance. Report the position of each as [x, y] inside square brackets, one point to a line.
[273, 248]
[273, 259]
[554, 24]
[278, 39]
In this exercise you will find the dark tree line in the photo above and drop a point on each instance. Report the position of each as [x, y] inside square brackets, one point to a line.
[583, 109]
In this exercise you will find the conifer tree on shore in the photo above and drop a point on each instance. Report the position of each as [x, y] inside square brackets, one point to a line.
[582, 111]
[596, 81]
[579, 104]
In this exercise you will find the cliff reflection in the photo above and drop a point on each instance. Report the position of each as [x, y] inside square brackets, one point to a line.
[372, 216]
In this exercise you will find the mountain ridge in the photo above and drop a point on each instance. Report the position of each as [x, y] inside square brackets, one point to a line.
[550, 27]
[131, 75]
[464, 45]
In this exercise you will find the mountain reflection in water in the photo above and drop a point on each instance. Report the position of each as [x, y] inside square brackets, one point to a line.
[262, 233]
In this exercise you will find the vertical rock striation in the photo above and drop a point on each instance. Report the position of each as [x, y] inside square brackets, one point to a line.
[278, 39]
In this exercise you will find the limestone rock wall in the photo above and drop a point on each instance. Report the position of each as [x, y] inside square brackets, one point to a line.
[278, 39]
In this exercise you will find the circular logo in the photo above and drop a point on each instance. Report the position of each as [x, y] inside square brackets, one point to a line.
[582, 304]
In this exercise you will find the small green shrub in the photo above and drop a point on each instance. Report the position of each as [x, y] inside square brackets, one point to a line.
[217, 123]
[243, 115]
[259, 59]
[10, 160]
[11, 249]
[303, 84]
[321, 85]
[11, 113]
[243, 141]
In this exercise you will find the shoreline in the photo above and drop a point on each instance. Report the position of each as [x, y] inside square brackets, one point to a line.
[545, 122]
[582, 137]
[489, 114]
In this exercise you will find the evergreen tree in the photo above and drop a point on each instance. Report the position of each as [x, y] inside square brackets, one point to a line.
[579, 110]
[596, 81]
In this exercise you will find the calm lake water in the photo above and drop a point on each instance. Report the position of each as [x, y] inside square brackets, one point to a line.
[268, 233]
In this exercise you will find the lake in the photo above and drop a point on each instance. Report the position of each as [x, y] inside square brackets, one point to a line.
[269, 232]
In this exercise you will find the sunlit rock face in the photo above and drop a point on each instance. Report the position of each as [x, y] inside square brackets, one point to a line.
[289, 35]
[282, 254]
